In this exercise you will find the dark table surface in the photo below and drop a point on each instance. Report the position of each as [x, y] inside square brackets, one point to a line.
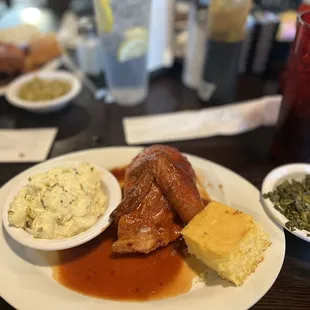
[88, 123]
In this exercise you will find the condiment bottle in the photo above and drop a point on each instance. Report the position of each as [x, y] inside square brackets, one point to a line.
[226, 32]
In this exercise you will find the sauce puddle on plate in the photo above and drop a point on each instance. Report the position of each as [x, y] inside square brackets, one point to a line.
[93, 269]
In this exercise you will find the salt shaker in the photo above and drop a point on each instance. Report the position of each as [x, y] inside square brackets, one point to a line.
[89, 47]
[196, 45]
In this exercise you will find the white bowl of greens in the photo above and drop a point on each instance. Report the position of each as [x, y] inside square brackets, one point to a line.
[286, 196]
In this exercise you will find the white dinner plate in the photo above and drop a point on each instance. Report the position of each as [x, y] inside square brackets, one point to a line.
[26, 279]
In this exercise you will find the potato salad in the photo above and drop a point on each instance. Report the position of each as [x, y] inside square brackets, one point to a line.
[59, 203]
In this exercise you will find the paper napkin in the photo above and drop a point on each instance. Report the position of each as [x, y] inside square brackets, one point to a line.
[225, 120]
[26, 145]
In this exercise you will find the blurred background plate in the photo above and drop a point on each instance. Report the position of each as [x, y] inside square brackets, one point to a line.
[46, 105]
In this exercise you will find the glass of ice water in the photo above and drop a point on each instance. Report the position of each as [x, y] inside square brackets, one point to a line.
[124, 27]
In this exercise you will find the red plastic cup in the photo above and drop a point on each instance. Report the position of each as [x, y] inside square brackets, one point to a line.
[292, 138]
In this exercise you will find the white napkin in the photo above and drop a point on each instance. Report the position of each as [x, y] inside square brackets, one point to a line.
[26, 145]
[225, 120]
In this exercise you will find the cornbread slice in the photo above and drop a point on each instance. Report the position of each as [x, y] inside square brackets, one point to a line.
[226, 240]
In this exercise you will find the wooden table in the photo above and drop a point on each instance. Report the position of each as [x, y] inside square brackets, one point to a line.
[88, 123]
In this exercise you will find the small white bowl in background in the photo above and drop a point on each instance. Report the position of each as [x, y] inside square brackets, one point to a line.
[46, 105]
[113, 191]
[277, 177]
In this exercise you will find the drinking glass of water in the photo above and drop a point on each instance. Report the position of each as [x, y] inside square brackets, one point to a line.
[124, 32]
